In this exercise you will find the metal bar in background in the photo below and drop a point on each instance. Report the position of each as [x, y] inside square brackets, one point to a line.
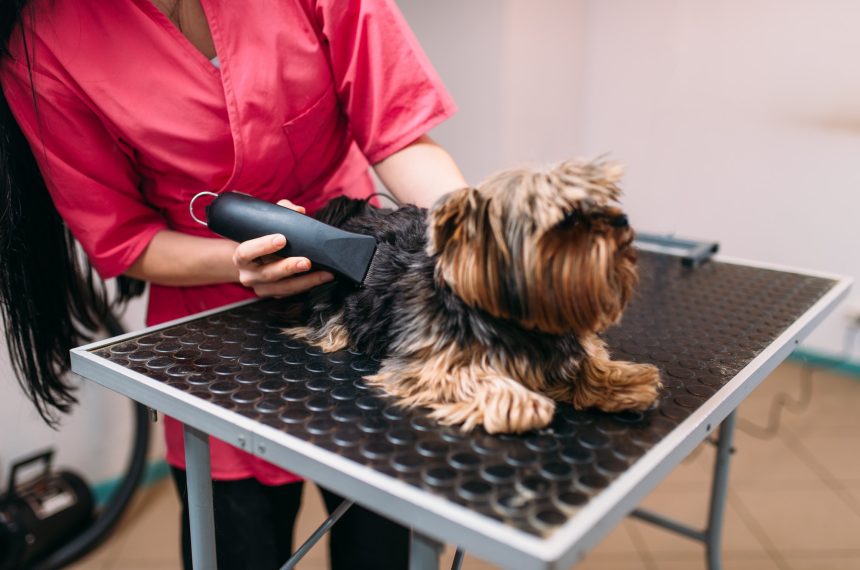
[317, 535]
[200, 513]
[692, 253]
[668, 524]
[458, 559]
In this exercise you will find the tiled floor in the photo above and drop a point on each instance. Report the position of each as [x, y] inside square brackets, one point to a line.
[794, 500]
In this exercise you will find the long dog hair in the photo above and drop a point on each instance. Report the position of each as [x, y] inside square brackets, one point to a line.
[488, 307]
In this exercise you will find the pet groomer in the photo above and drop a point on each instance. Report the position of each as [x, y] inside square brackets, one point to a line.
[130, 108]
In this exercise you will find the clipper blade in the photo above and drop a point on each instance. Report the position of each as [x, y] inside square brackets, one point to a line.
[374, 261]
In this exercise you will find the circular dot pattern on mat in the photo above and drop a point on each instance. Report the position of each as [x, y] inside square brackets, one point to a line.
[699, 326]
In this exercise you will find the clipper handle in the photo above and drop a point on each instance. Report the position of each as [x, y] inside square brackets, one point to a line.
[241, 217]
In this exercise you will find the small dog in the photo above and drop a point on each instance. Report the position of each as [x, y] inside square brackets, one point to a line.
[488, 307]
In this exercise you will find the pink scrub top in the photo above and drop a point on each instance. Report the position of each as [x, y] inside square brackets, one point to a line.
[133, 121]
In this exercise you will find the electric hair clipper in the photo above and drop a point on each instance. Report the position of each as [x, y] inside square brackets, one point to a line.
[241, 217]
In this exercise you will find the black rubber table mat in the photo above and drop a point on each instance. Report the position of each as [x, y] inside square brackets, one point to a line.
[700, 326]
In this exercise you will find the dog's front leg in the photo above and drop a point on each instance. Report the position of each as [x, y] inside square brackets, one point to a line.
[329, 335]
[612, 385]
[500, 404]
[469, 394]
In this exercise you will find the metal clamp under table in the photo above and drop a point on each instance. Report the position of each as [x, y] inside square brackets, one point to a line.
[536, 501]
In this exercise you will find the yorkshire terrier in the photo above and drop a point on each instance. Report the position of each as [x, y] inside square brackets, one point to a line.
[488, 307]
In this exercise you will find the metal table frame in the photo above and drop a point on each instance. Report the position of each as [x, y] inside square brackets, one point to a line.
[441, 521]
[712, 535]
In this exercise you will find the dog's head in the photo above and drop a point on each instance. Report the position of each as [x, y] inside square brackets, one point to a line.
[548, 249]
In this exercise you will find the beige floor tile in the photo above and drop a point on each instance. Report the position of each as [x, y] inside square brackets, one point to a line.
[135, 525]
[690, 507]
[146, 565]
[88, 563]
[692, 472]
[829, 562]
[833, 405]
[786, 378]
[730, 562]
[837, 452]
[768, 463]
[312, 515]
[631, 562]
[618, 543]
[151, 537]
[812, 519]
[834, 399]
[852, 488]
[99, 558]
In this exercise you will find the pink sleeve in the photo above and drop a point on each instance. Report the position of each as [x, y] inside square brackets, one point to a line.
[385, 83]
[91, 180]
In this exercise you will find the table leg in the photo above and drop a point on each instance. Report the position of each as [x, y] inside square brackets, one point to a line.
[200, 514]
[712, 536]
[423, 552]
[719, 492]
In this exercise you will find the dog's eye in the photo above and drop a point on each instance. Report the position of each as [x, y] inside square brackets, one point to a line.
[571, 218]
[619, 221]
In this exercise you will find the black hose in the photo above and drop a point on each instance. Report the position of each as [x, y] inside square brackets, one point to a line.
[104, 524]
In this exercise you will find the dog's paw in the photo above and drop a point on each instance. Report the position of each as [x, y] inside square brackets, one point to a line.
[518, 413]
[639, 392]
[499, 412]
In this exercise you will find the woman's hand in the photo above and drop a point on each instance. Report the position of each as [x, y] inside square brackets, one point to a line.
[181, 260]
[273, 276]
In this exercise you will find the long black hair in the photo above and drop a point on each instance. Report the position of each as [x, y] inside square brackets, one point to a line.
[50, 299]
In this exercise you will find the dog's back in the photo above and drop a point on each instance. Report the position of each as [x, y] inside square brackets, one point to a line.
[404, 228]
[401, 268]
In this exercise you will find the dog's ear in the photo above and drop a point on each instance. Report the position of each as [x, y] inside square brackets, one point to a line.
[469, 259]
[585, 275]
[447, 219]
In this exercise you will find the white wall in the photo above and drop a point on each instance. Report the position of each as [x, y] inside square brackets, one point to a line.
[514, 69]
[738, 120]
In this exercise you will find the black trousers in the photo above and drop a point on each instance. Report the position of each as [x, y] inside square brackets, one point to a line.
[254, 529]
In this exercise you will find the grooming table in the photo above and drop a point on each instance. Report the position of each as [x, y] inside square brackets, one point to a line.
[536, 501]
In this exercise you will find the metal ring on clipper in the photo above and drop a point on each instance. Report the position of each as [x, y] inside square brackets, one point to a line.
[191, 206]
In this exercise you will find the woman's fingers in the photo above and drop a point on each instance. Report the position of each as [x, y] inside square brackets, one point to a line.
[254, 275]
[281, 269]
[293, 285]
[248, 252]
[275, 277]
[291, 206]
